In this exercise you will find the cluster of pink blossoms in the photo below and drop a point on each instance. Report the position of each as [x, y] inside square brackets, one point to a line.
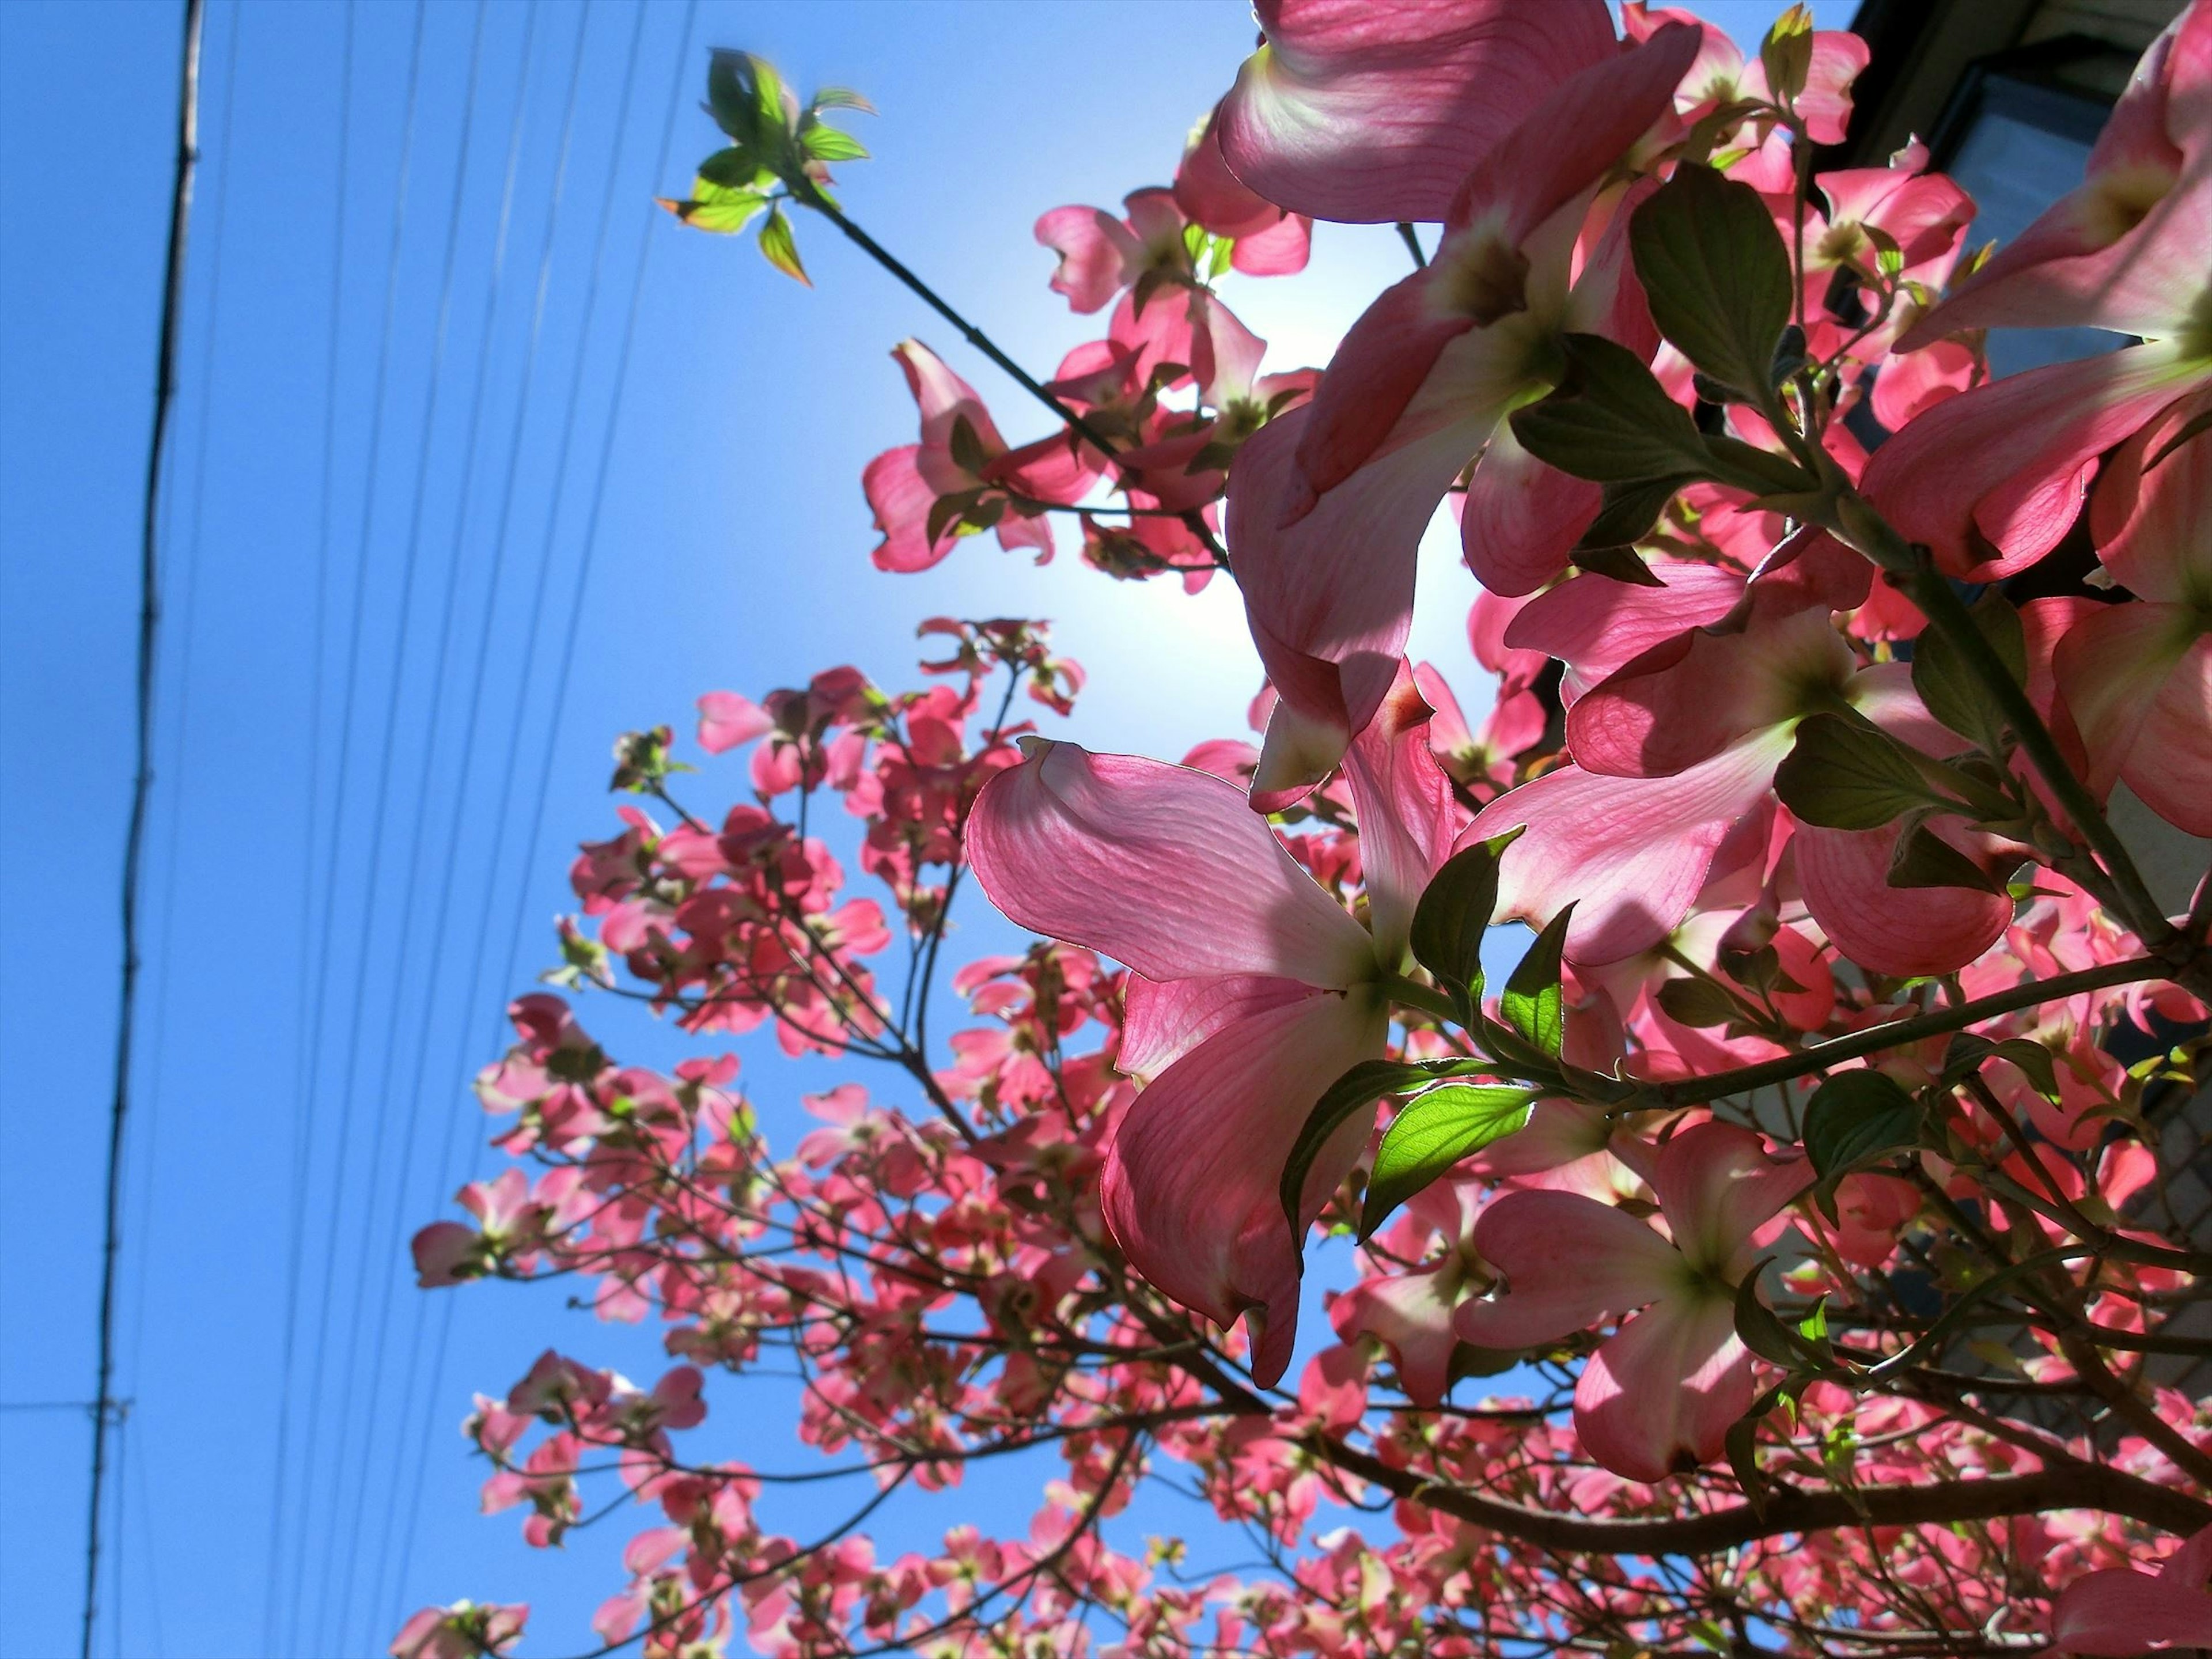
[1784, 1257]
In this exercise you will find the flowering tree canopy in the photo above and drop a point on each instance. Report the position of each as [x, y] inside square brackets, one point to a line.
[1780, 1258]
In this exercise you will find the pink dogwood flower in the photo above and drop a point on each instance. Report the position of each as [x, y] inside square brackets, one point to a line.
[1251, 990]
[1722, 74]
[1327, 505]
[466, 1630]
[1992, 479]
[1363, 113]
[1267, 241]
[961, 451]
[1659, 1395]
[2136, 679]
[1674, 755]
[2121, 1613]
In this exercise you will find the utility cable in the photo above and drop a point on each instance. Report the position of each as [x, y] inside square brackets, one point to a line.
[673, 105]
[165, 368]
[303, 1030]
[473, 722]
[339, 820]
[349, 1473]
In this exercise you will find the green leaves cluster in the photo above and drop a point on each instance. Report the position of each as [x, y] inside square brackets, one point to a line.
[1718, 279]
[1447, 1119]
[779, 151]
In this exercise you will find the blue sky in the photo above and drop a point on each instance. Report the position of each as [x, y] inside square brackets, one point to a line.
[727, 544]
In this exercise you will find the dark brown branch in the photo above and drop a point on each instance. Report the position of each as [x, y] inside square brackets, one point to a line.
[2092, 1486]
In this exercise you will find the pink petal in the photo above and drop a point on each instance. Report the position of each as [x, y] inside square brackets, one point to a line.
[1631, 854]
[1407, 813]
[901, 498]
[1189, 1187]
[1901, 930]
[1826, 101]
[727, 719]
[1910, 383]
[1411, 1314]
[1330, 596]
[1716, 1186]
[1380, 365]
[2149, 526]
[2096, 257]
[1162, 1021]
[1520, 519]
[1685, 700]
[1235, 352]
[2121, 1612]
[1368, 113]
[1161, 868]
[1282, 250]
[1096, 250]
[2111, 667]
[1595, 624]
[1568, 143]
[1660, 1394]
[2171, 768]
[944, 398]
[2008, 463]
[1569, 1261]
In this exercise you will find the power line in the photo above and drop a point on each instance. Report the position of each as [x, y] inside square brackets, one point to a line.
[472, 723]
[338, 811]
[184, 565]
[180, 202]
[345, 1471]
[470, 445]
[303, 1139]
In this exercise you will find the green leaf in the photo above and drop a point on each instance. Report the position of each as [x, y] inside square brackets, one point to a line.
[734, 168]
[717, 208]
[1454, 913]
[1923, 858]
[1813, 1326]
[1969, 1051]
[1611, 421]
[1361, 1086]
[825, 144]
[778, 248]
[1433, 1133]
[1953, 691]
[966, 447]
[843, 98]
[1741, 1445]
[768, 95]
[1766, 474]
[1786, 55]
[1626, 517]
[1620, 564]
[730, 96]
[1761, 1331]
[950, 512]
[1698, 1003]
[1854, 1119]
[1717, 274]
[1532, 1003]
[1845, 773]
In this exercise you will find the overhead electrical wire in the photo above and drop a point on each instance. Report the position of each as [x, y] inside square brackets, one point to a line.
[473, 722]
[180, 201]
[141, 1162]
[308, 1022]
[301, 1529]
[479, 991]
[347, 1474]
[388, 1255]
